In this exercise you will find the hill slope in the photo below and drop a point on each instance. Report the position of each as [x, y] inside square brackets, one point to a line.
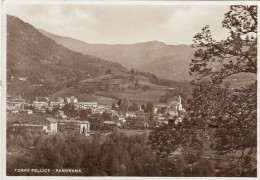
[48, 66]
[165, 61]
[109, 88]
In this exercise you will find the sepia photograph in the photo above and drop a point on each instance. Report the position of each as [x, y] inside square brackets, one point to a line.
[150, 89]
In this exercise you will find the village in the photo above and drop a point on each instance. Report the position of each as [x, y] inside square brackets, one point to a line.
[69, 113]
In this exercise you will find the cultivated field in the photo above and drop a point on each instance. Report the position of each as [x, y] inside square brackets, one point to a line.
[81, 96]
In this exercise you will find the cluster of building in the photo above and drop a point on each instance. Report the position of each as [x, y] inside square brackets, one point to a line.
[61, 122]
[43, 104]
[54, 125]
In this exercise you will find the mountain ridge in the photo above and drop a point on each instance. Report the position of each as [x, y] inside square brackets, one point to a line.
[141, 56]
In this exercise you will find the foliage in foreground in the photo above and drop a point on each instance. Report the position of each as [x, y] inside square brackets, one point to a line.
[225, 116]
[117, 155]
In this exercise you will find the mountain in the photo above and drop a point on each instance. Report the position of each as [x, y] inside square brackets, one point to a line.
[37, 65]
[165, 61]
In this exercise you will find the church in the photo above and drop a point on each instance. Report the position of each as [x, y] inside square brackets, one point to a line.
[174, 107]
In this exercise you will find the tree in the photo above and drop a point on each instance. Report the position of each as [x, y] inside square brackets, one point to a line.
[124, 106]
[143, 107]
[232, 109]
[149, 109]
[168, 138]
[134, 107]
[119, 102]
[108, 71]
[136, 84]
[236, 54]
[113, 106]
[224, 114]
[132, 73]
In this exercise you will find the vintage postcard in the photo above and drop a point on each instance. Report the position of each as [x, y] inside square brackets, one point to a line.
[129, 89]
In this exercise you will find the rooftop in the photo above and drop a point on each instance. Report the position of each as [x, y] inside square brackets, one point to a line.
[109, 122]
[54, 120]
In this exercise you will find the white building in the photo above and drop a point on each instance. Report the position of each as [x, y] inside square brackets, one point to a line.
[75, 100]
[86, 105]
[155, 110]
[130, 114]
[54, 125]
[174, 107]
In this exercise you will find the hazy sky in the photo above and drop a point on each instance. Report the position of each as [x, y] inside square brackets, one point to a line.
[124, 24]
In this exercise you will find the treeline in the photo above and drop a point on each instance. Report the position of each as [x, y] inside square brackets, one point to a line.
[114, 155]
[118, 155]
[164, 82]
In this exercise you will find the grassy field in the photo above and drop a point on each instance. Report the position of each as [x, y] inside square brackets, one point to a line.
[81, 96]
[241, 79]
[152, 94]
[142, 97]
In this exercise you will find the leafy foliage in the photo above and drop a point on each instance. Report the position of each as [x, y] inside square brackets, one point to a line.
[236, 54]
[234, 111]
[219, 113]
[117, 155]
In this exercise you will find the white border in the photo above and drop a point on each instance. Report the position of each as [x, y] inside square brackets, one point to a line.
[91, 2]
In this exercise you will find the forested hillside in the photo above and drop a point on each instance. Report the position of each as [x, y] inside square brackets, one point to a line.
[46, 66]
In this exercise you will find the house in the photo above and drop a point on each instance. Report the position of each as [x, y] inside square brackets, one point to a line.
[122, 119]
[54, 125]
[45, 99]
[64, 116]
[113, 112]
[178, 120]
[60, 114]
[61, 105]
[60, 100]
[74, 100]
[40, 110]
[12, 108]
[68, 100]
[112, 123]
[161, 118]
[85, 105]
[140, 108]
[155, 110]
[54, 104]
[142, 115]
[19, 78]
[15, 104]
[14, 111]
[97, 111]
[130, 114]
[39, 104]
[27, 111]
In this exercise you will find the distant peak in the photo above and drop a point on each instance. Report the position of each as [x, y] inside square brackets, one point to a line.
[156, 42]
[153, 43]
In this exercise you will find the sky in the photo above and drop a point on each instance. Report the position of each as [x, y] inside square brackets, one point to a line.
[123, 24]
